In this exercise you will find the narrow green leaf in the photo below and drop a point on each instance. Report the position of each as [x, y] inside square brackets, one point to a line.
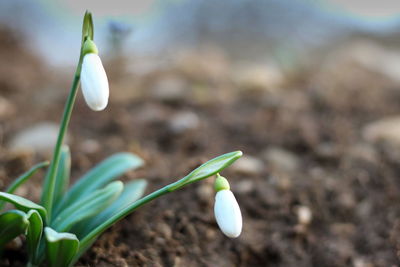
[60, 248]
[12, 224]
[34, 234]
[105, 172]
[132, 192]
[88, 206]
[63, 174]
[23, 178]
[23, 204]
[208, 169]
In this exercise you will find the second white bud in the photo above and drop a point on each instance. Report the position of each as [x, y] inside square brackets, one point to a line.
[226, 209]
[94, 82]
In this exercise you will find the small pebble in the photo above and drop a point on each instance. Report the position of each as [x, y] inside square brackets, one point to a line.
[90, 146]
[7, 109]
[248, 165]
[205, 192]
[184, 121]
[40, 138]
[281, 159]
[304, 215]
[165, 230]
[384, 130]
[169, 89]
[244, 187]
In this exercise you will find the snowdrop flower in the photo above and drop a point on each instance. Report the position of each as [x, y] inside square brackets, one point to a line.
[94, 78]
[226, 209]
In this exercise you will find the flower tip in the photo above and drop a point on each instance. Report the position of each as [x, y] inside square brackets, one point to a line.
[98, 107]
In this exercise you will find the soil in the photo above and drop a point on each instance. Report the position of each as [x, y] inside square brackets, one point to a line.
[335, 204]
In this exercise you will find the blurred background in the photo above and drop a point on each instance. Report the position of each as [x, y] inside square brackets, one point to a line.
[309, 90]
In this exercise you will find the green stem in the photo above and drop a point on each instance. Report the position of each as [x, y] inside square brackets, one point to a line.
[49, 184]
[87, 240]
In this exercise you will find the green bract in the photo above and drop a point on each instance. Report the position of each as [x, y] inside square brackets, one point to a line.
[221, 183]
[69, 219]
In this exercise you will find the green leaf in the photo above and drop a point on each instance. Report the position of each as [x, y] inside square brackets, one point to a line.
[23, 178]
[23, 204]
[132, 192]
[12, 224]
[60, 248]
[63, 174]
[88, 206]
[99, 176]
[208, 169]
[34, 234]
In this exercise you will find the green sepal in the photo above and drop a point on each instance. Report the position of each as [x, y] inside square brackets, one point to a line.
[34, 234]
[61, 248]
[23, 204]
[105, 172]
[132, 192]
[12, 224]
[221, 183]
[23, 178]
[208, 169]
[89, 47]
[88, 206]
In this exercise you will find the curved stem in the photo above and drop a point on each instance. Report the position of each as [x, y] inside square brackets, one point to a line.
[88, 240]
[49, 184]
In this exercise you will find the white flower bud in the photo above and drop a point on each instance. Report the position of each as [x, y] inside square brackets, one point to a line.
[94, 82]
[227, 213]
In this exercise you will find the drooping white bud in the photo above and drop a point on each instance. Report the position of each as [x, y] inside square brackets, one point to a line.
[227, 213]
[94, 82]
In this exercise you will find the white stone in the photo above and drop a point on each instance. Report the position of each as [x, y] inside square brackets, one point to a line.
[281, 159]
[170, 89]
[386, 130]
[184, 121]
[304, 215]
[248, 165]
[40, 137]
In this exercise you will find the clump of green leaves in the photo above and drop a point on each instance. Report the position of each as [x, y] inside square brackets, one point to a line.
[69, 219]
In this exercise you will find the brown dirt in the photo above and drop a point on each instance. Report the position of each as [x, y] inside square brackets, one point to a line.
[317, 116]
